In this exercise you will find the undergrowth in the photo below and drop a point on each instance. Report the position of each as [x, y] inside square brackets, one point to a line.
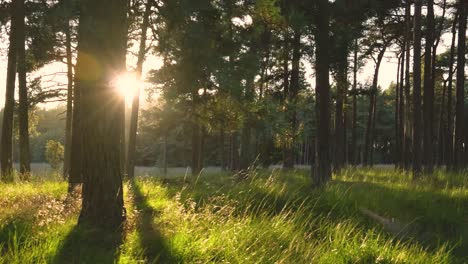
[266, 217]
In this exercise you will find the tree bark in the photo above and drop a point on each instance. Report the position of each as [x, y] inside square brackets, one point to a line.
[196, 138]
[441, 156]
[341, 83]
[417, 148]
[322, 173]
[287, 163]
[23, 107]
[136, 98]
[68, 124]
[354, 126]
[450, 135]
[75, 177]
[222, 151]
[292, 100]
[429, 92]
[245, 159]
[165, 153]
[196, 144]
[7, 127]
[369, 140]
[407, 103]
[101, 56]
[401, 110]
[460, 105]
[397, 114]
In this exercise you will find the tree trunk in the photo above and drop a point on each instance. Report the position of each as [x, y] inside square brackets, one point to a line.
[440, 155]
[429, 92]
[246, 157]
[68, 125]
[401, 111]
[165, 153]
[7, 127]
[397, 114]
[372, 140]
[222, 152]
[460, 105]
[417, 148]
[196, 140]
[23, 108]
[441, 142]
[369, 140]
[354, 126]
[450, 136]
[407, 124]
[136, 98]
[75, 176]
[292, 101]
[341, 83]
[322, 172]
[102, 37]
[287, 163]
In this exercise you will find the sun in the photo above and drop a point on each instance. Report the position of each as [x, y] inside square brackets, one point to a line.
[127, 85]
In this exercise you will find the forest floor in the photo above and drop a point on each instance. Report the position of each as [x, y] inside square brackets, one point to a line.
[362, 216]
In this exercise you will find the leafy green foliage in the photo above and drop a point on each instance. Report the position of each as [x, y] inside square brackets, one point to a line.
[54, 154]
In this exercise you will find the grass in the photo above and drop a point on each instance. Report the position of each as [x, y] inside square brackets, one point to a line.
[270, 217]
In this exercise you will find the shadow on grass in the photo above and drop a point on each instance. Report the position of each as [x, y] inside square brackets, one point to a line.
[432, 218]
[14, 233]
[155, 248]
[89, 245]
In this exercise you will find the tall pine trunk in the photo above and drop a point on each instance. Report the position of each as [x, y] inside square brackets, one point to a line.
[429, 92]
[292, 100]
[397, 114]
[407, 125]
[450, 136]
[401, 110]
[441, 152]
[417, 148]
[371, 117]
[440, 139]
[287, 162]
[101, 56]
[354, 153]
[322, 172]
[136, 99]
[342, 83]
[196, 147]
[23, 108]
[459, 159]
[246, 159]
[7, 127]
[68, 124]
[75, 177]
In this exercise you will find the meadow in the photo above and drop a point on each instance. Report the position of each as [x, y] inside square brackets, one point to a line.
[361, 216]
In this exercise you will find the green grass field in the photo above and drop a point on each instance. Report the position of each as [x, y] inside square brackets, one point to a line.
[362, 216]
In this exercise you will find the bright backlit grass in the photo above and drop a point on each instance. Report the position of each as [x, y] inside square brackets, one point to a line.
[271, 217]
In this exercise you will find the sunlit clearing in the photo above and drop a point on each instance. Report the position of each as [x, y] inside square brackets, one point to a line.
[127, 86]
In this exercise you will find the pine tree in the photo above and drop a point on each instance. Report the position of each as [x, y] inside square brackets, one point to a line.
[101, 56]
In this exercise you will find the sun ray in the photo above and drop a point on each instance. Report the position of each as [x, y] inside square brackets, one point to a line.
[127, 85]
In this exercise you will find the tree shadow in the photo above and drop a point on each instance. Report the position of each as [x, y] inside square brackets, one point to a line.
[431, 218]
[17, 230]
[85, 244]
[155, 247]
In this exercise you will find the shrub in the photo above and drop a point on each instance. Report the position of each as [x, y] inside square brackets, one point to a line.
[54, 153]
